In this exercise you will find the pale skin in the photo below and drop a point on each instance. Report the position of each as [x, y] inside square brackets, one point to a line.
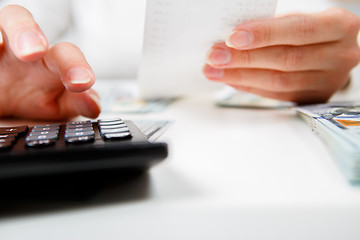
[303, 58]
[39, 81]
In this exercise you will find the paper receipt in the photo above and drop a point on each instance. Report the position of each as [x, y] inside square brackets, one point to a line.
[178, 34]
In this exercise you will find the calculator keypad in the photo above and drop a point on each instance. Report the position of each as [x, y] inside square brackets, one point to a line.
[43, 150]
[80, 132]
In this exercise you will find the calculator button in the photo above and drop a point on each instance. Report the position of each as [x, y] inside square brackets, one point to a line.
[79, 123]
[109, 123]
[40, 143]
[9, 136]
[48, 128]
[79, 134]
[5, 146]
[42, 137]
[8, 139]
[50, 132]
[115, 130]
[51, 125]
[117, 136]
[112, 126]
[82, 139]
[69, 130]
[21, 130]
[110, 120]
[4, 140]
[85, 125]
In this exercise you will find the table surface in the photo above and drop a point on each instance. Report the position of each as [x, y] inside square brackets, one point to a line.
[231, 174]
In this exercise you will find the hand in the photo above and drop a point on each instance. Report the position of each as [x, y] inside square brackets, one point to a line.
[300, 58]
[38, 81]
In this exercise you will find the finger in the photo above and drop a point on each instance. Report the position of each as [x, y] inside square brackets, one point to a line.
[63, 105]
[66, 60]
[85, 103]
[301, 29]
[267, 80]
[22, 34]
[282, 58]
[299, 97]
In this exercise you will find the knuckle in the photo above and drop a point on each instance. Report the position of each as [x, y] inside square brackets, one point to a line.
[351, 57]
[234, 77]
[267, 33]
[356, 53]
[263, 31]
[245, 58]
[350, 23]
[280, 81]
[304, 26]
[293, 57]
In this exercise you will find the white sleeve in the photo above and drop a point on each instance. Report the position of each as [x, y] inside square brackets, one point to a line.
[53, 16]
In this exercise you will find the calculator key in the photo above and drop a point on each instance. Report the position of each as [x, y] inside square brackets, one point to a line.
[117, 136]
[50, 132]
[69, 130]
[85, 125]
[50, 125]
[40, 143]
[79, 122]
[11, 139]
[79, 134]
[21, 130]
[42, 137]
[48, 128]
[5, 146]
[109, 123]
[115, 130]
[4, 140]
[110, 120]
[80, 140]
[112, 126]
[9, 136]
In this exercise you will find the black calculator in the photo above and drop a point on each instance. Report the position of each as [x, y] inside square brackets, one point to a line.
[75, 147]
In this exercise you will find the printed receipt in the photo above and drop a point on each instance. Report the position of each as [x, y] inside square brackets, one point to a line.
[178, 34]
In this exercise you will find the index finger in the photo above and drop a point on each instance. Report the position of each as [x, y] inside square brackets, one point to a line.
[21, 33]
[300, 29]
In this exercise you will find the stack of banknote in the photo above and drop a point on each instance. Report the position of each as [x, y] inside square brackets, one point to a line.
[338, 125]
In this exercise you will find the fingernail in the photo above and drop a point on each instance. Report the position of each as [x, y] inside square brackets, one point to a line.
[239, 39]
[218, 56]
[30, 42]
[213, 73]
[79, 75]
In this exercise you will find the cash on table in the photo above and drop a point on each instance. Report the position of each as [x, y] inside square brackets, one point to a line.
[338, 126]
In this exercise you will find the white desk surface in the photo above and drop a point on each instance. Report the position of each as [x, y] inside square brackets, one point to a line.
[231, 174]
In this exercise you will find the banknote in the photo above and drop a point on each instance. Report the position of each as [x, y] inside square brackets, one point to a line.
[338, 126]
